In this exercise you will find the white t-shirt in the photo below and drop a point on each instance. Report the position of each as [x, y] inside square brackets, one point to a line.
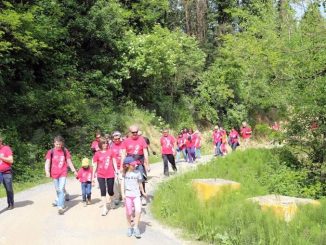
[132, 180]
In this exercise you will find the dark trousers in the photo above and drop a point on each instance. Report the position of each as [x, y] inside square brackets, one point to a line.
[106, 185]
[166, 159]
[7, 182]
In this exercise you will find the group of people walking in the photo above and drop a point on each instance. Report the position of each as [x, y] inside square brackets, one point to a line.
[120, 165]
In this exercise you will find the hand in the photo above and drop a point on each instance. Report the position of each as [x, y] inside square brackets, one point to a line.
[144, 194]
[123, 197]
[148, 169]
[93, 182]
[75, 173]
[47, 174]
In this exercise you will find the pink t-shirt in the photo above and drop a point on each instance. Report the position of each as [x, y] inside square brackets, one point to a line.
[245, 132]
[95, 146]
[85, 175]
[134, 146]
[217, 136]
[197, 139]
[116, 153]
[59, 167]
[190, 141]
[167, 144]
[234, 136]
[104, 163]
[181, 143]
[5, 151]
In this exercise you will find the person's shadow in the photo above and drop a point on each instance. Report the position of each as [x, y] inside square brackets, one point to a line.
[19, 204]
[143, 225]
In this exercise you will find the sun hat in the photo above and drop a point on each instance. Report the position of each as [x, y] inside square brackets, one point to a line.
[85, 162]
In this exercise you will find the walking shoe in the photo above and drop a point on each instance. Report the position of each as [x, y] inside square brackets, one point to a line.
[88, 202]
[61, 210]
[130, 232]
[116, 202]
[84, 204]
[137, 233]
[10, 207]
[67, 197]
[143, 201]
[105, 211]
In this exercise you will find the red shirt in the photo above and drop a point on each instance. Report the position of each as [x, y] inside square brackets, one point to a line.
[181, 142]
[95, 146]
[217, 136]
[5, 151]
[104, 163]
[197, 139]
[134, 146]
[167, 144]
[190, 141]
[116, 153]
[59, 167]
[234, 136]
[85, 175]
[245, 132]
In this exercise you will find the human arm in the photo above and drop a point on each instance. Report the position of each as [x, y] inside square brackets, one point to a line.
[71, 166]
[123, 156]
[47, 168]
[146, 161]
[8, 159]
[123, 189]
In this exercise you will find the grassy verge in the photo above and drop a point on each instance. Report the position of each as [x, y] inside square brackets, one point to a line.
[233, 219]
[21, 186]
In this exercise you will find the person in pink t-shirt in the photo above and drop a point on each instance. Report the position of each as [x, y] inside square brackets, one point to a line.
[116, 149]
[134, 148]
[234, 139]
[245, 132]
[106, 169]
[94, 145]
[85, 176]
[181, 147]
[56, 166]
[197, 139]
[190, 144]
[167, 143]
[217, 141]
[6, 161]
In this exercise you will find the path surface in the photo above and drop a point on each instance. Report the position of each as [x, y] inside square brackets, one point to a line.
[34, 221]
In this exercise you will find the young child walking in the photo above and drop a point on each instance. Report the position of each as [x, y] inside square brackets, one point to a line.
[85, 177]
[131, 189]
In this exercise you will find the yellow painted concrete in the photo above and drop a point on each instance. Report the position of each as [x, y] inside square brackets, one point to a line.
[207, 188]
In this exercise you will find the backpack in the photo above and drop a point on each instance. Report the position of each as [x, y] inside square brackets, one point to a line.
[64, 154]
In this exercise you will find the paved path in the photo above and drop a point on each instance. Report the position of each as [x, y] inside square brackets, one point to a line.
[34, 221]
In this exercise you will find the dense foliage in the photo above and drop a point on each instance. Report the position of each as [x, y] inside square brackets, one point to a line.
[70, 67]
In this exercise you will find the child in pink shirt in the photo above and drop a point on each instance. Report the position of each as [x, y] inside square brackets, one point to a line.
[85, 175]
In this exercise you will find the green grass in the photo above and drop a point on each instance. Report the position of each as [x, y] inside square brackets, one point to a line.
[233, 219]
[21, 186]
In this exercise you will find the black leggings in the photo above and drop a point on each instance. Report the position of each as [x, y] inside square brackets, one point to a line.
[106, 184]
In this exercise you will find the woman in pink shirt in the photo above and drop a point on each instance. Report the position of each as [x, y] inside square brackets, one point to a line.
[167, 143]
[6, 161]
[106, 168]
[56, 166]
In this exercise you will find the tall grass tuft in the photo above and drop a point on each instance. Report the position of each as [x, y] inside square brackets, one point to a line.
[232, 218]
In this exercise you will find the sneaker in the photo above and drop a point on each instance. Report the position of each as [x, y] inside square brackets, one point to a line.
[55, 203]
[67, 197]
[61, 210]
[10, 207]
[143, 201]
[84, 204]
[137, 233]
[105, 211]
[130, 232]
[116, 202]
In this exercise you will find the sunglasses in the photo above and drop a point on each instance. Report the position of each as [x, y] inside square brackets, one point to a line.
[136, 132]
[117, 139]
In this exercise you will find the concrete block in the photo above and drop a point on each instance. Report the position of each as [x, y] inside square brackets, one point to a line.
[284, 207]
[207, 188]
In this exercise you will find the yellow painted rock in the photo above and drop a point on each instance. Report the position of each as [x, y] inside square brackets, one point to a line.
[284, 207]
[207, 188]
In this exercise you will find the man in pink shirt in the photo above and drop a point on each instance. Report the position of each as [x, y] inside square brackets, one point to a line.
[217, 140]
[56, 166]
[116, 149]
[245, 132]
[134, 148]
[94, 145]
[6, 161]
[168, 152]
